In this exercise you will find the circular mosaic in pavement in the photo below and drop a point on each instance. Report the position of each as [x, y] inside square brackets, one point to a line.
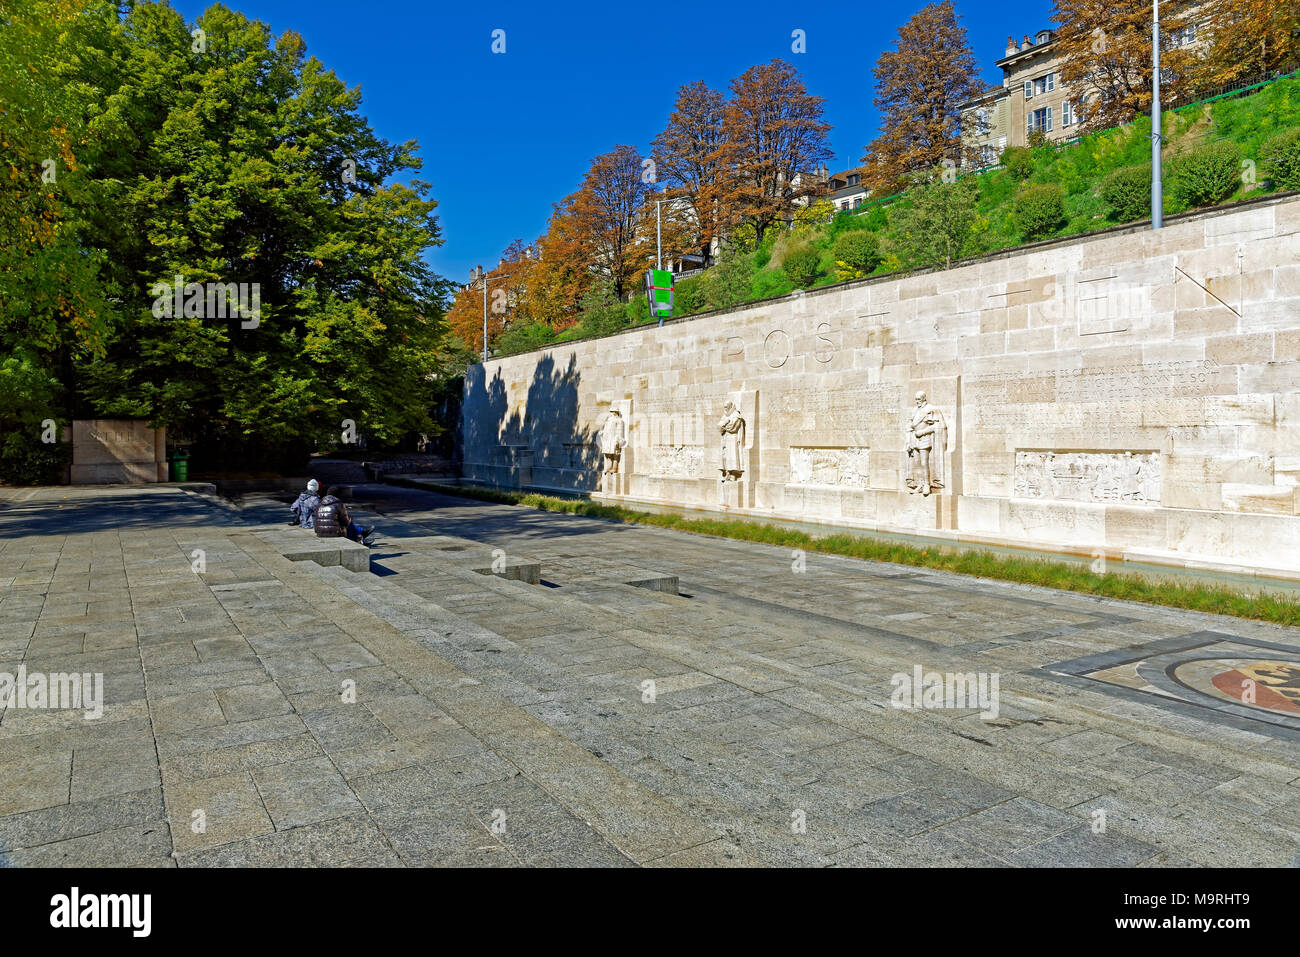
[1271, 684]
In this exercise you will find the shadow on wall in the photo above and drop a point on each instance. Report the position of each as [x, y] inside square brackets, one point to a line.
[544, 439]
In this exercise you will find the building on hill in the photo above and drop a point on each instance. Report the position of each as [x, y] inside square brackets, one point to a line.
[842, 190]
[846, 190]
[986, 127]
[1032, 98]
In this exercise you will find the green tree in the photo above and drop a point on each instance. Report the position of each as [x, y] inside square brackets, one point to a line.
[235, 158]
[857, 253]
[727, 283]
[937, 225]
[53, 307]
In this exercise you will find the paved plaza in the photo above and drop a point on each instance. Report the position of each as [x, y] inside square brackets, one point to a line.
[263, 711]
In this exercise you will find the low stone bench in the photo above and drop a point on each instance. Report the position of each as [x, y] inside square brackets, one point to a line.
[634, 575]
[473, 556]
[303, 545]
[585, 572]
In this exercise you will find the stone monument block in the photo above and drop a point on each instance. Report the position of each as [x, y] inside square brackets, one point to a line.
[107, 451]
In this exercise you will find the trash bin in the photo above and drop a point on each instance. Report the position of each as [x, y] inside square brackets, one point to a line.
[180, 466]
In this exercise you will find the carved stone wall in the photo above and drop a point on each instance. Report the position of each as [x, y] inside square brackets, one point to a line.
[837, 467]
[680, 461]
[1108, 477]
[1137, 392]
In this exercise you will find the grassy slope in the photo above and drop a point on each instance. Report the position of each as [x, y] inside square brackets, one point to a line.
[1078, 169]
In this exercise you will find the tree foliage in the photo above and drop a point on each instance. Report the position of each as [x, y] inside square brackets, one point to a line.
[1105, 46]
[920, 87]
[780, 139]
[1241, 39]
[937, 225]
[216, 153]
[696, 162]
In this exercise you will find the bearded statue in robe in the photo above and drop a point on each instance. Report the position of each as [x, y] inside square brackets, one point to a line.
[732, 427]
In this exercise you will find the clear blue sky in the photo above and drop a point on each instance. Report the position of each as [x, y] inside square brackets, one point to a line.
[503, 136]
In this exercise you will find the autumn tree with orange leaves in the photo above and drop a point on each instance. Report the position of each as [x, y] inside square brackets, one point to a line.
[695, 162]
[1105, 47]
[507, 301]
[609, 210]
[1240, 39]
[779, 137]
[563, 274]
[920, 87]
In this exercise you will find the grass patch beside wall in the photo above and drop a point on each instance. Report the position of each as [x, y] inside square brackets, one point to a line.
[1213, 599]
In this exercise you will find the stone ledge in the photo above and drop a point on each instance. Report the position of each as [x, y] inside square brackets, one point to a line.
[302, 545]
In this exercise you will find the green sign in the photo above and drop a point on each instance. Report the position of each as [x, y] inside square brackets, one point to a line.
[659, 291]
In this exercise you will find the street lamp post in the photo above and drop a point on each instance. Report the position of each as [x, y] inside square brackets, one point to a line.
[484, 276]
[659, 242]
[1157, 183]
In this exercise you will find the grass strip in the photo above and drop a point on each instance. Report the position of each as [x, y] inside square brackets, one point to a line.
[1214, 599]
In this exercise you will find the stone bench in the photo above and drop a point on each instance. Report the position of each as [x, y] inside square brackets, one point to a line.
[303, 545]
[623, 574]
[472, 556]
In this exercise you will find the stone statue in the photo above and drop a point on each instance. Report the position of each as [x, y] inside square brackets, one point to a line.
[927, 440]
[732, 427]
[613, 437]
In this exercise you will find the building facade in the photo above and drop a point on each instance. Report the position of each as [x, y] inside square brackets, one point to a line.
[1032, 98]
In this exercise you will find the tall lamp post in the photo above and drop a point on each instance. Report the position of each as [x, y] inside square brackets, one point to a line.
[659, 237]
[486, 280]
[1157, 184]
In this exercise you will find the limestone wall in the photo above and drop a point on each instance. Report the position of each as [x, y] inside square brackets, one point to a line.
[1133, 394]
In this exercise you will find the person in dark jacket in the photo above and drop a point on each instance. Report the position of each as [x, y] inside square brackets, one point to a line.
[304, 506]
[333, 520]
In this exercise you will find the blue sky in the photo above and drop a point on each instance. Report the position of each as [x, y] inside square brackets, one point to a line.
[503, 136]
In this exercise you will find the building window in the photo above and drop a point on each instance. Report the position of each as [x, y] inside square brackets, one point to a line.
[1039, 120]
[1044, 84]
[1067, 113]
[1029, 89]
[854, 179]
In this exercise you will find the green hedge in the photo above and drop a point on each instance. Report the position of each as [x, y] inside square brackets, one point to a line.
[1205, 175]
[1127, 192]
[1038, 210]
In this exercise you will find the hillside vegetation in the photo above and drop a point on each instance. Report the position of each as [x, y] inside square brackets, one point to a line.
[1215, 153]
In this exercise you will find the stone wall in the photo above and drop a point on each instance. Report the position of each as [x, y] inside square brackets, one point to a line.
[1134, 394]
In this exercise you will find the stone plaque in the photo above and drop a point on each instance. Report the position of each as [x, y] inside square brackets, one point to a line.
[1116, 477]
[680, 461]
[829, 467]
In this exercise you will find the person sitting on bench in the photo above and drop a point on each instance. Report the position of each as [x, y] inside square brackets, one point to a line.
[304, 506]
[333, 520]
